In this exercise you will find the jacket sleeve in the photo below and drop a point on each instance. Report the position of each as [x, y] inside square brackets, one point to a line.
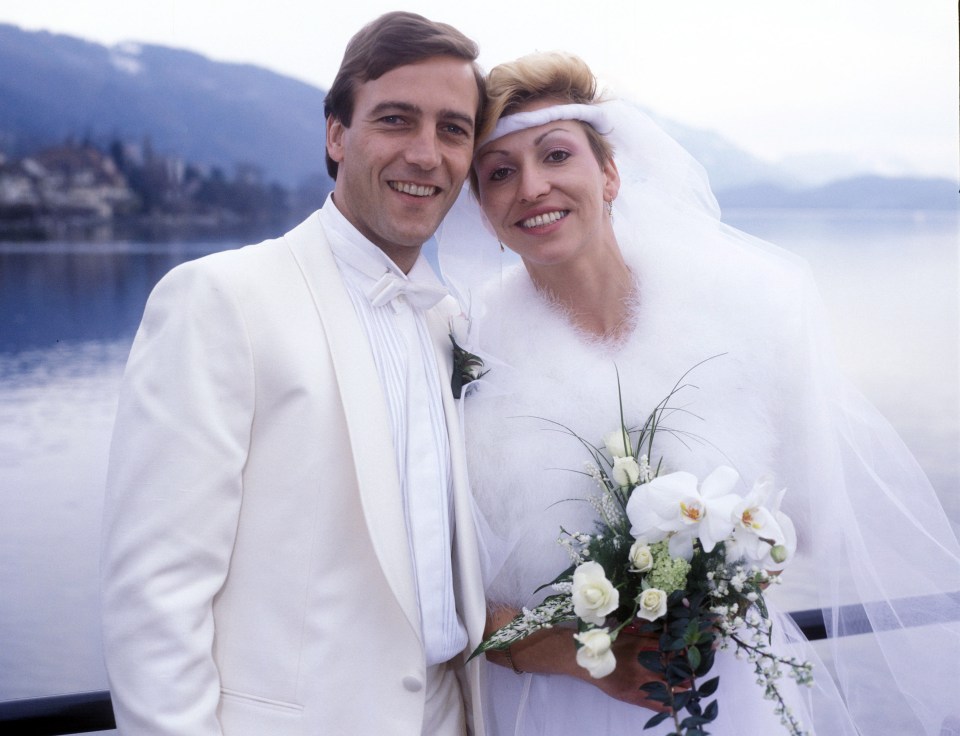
[172, 503]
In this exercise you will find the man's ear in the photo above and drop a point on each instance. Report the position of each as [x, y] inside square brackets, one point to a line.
[335, 130]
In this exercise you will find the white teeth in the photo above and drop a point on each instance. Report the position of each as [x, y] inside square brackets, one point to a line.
[544, 219]
[415, 189]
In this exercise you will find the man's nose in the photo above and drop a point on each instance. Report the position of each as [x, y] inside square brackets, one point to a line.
[424, 149]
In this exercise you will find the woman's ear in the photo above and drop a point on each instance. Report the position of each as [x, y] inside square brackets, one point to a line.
[611, 184]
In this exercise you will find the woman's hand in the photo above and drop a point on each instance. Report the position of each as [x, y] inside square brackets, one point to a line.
[554, 651]
[625, 681]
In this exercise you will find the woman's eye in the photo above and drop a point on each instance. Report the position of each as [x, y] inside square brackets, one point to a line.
[557, 156]
[499, 174]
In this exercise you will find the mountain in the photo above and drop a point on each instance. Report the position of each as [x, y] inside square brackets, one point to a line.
[54, 87]
[860, 192]
[729, 167]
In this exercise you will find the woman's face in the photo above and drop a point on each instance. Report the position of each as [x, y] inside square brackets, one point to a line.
[543, 190]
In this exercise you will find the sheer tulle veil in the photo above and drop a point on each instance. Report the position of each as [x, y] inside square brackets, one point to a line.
[873, 533]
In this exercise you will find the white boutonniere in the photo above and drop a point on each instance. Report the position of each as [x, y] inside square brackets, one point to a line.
[467, 367]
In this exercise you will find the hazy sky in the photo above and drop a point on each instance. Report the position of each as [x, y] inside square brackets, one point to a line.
[872, 79]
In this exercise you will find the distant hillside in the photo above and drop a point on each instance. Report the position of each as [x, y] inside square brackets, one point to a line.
[862, 192]
[729, 167]
[54, 87]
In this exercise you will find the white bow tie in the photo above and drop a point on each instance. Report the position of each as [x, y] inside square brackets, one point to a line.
[390, 286]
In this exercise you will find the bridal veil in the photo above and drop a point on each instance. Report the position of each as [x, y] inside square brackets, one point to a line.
[873, 533]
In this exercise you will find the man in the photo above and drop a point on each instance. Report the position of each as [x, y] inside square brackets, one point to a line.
[286, 476]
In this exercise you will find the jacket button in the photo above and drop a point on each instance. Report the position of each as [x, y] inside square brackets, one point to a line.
[411, 683]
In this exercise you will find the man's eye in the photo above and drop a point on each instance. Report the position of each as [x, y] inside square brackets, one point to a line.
[391, 119]
[455, 129]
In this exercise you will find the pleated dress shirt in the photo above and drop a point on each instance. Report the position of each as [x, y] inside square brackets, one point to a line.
[390, 305]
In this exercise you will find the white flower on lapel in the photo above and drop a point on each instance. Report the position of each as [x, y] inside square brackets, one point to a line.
[467, 367]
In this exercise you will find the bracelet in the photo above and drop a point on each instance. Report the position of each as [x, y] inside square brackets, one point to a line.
[511, 663]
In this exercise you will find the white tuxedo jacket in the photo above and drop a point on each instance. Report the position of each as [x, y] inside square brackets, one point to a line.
[256, 574]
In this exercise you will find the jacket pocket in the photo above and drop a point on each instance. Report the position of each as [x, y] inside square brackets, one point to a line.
[246, 699]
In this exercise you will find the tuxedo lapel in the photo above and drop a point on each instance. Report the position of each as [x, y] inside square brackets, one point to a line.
[368, 423]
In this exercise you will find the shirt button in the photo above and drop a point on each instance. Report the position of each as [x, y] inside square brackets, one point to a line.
[412, 683]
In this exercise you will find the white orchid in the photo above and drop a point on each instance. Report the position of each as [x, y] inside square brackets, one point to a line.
[762, 533]
[673, 505]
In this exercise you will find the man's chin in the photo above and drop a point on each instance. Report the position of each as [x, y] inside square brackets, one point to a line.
[415, 237]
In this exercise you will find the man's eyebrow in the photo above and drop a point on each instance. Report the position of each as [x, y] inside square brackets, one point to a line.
[460, 117]
[388, 105]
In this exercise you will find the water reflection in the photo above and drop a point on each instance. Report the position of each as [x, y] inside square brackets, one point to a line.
[67, 317]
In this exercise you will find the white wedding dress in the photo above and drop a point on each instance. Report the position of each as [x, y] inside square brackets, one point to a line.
[871, 530]
[524, 471]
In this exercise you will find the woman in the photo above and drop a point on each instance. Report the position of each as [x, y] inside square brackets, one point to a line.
[626, 270]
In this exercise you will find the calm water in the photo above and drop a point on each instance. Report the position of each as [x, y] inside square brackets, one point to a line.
[68, 314]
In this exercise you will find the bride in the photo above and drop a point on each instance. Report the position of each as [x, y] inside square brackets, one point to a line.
[626, 270]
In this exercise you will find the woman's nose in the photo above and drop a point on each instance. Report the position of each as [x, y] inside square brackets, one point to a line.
[533, 184]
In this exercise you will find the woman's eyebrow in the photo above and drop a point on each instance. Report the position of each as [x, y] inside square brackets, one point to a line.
[537, 141]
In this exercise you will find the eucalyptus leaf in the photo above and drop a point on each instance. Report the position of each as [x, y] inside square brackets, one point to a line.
[709, 687]
[657, 720]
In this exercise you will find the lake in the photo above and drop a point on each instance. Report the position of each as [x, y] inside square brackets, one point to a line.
[68, 313]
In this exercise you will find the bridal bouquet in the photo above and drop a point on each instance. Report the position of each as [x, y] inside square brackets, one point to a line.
[681, 561]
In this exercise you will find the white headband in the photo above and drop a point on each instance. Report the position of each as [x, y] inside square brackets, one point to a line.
[594, 115]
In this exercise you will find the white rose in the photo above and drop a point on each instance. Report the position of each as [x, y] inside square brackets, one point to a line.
[626, 471]
[653, 604]
[594, 653]
[641, 558]
[618, 444]
[594, 597]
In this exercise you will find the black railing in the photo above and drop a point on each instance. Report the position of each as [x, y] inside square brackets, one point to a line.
[60, 714]
[85, 712]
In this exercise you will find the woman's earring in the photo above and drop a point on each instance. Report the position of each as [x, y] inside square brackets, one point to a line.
[501, 245]
[609, 208]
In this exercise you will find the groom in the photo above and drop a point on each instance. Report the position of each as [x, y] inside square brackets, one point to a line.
[288, 546]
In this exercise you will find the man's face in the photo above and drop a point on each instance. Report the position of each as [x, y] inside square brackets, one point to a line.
[403, 159]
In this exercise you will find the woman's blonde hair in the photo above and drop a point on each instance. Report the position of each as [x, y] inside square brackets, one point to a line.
[545, 75]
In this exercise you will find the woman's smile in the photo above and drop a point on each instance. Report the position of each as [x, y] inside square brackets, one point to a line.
[547, 218]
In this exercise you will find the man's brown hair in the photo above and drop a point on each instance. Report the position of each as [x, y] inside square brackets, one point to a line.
[394, 40]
